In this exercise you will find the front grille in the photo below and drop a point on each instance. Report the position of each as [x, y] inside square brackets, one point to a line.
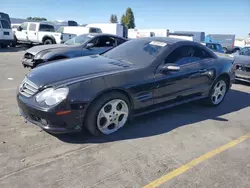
[28, 56]
[245, 68]
[28, 88]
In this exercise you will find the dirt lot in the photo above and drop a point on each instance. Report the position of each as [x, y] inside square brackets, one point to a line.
[150, 147]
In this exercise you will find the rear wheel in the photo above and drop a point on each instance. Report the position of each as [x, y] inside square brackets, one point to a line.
[14, 42]
[107, 114]
[218, 92]
[47, 41]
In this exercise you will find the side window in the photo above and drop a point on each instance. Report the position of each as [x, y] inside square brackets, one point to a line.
[218, 47]
[104, 41]
[60, 30]
[5, 24]
[32, 27]
[120, 41]
[92, 30]
[45, 27]
[24, 26]
[186, 54]
[99, 30]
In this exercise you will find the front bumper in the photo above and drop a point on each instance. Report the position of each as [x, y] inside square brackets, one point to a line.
[48, 120]
[242, 76]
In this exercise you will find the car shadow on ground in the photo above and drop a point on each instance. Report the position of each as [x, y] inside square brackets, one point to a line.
[166, 120]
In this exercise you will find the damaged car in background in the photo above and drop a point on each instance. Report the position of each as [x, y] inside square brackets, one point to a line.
[82, 45]
[102, 92]
[242, 64]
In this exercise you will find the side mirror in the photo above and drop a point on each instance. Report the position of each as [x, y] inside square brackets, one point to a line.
[89, 45]
[170, 68]
[19, 28]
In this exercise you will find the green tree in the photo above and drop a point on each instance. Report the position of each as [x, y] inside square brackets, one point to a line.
[113, 18]
[130, 19]
[36, 18]
[123, 20]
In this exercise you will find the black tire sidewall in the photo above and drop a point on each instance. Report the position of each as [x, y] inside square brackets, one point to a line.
[47, 40]
[91, 115]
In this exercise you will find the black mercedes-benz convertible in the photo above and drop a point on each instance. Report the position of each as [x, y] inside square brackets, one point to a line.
[101, 92]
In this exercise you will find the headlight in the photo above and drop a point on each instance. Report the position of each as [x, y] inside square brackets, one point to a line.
[52, 96]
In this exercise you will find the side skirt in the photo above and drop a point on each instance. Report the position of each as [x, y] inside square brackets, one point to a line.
[165, 106]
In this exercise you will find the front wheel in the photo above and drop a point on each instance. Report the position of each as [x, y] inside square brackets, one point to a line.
[217, 93]
[108, 114]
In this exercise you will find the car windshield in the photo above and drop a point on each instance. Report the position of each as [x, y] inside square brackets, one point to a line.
[136, 51]
[79, 40]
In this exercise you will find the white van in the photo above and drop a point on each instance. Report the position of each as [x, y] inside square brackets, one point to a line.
[111, 28]
[65, 33]
[6, 34]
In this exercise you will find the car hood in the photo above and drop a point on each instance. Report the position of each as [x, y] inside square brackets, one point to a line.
[74, 69]
[36, 49]
[242, 59]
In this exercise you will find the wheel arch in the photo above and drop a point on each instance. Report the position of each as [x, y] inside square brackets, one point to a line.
[45, 37]
[226, 77]
[106, 91]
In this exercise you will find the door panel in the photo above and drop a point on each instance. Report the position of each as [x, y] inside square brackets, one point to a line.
[23, 34]
[192, 78]
[176, 84]
[32, 32]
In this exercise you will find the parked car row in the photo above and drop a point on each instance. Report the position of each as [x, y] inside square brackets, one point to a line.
[118, 79]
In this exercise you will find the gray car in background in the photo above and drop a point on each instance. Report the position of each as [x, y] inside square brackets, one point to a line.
[82, 45]
[242, 64]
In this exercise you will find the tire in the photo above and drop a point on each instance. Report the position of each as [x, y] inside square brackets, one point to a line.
[225, 50]
[102, 118]
[219, 94]
[14, 43]
[47, 41]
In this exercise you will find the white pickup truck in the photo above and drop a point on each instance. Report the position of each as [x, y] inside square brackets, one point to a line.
[35, 32]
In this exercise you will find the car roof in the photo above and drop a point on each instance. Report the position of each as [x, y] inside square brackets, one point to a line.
[104, 34]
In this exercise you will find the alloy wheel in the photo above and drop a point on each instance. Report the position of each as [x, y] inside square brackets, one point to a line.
[112, 116]
[219, 92]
